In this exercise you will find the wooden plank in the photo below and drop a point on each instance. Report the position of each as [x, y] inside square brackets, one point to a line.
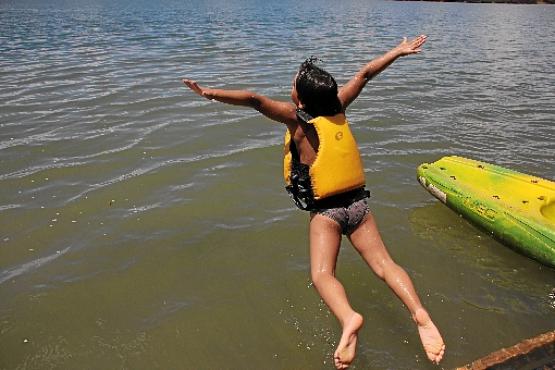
[536, 353]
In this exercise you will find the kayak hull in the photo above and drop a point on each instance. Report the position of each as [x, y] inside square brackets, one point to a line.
[518, 209]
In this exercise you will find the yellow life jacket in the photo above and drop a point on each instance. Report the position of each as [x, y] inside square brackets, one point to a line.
[338, 167]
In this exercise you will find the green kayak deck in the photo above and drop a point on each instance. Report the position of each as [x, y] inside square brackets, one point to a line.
[518, 209]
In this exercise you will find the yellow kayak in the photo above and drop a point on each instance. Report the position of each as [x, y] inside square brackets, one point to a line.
[518, 209]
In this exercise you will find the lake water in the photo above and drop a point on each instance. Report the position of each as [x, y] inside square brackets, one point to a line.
[142, 227]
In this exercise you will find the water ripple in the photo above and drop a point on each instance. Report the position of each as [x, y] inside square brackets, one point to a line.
[26, 267]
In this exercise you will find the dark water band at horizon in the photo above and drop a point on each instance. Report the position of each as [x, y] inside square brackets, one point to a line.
[541, 2]
[143, 227]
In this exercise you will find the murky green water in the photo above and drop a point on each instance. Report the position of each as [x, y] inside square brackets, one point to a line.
[144, 228]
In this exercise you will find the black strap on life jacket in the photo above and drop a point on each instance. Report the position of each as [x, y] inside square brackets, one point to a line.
[303, 116]
[300, 189]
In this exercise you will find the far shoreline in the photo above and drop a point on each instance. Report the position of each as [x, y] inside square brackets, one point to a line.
[535, 2]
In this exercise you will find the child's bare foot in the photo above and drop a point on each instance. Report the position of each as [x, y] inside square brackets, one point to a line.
[345, 352]
[429, 335]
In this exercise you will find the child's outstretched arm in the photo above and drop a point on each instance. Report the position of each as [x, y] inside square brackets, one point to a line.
[350, 91]
[276, 110]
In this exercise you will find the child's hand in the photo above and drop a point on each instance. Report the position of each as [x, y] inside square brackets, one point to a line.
[411, 47]
[193, 85]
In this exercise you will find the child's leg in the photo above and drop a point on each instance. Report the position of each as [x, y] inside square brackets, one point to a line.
[366, 239]
[325, 239]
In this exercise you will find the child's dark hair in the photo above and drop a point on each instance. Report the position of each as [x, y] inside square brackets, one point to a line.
[317, 90]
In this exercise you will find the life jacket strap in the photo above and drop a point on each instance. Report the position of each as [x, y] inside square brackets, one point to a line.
[341, 200]
[306, 202]
[300, 188]
[303, 116]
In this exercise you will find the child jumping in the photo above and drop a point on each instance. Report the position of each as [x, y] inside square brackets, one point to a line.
[324, 175]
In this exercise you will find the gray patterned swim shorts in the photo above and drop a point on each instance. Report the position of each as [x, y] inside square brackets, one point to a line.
[347, 217]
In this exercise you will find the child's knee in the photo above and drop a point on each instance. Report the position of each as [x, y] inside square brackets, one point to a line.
[382, 266]
[315, 276]
[319, 277]
[378, 270]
